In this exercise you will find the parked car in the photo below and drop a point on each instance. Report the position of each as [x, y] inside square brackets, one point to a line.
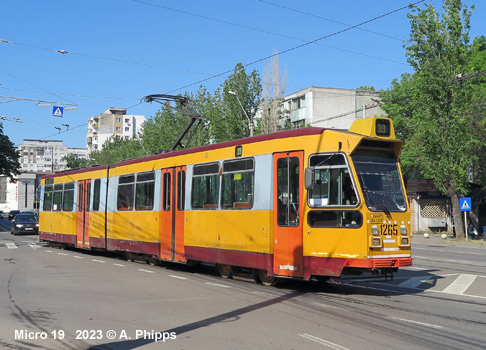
[24, 223]
[13, 213]
[1, 214]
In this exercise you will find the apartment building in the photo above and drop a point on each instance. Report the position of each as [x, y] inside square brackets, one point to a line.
[112, 122]
[327, 107]
[46, 155]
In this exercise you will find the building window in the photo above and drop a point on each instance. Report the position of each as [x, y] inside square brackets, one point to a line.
[118, 120]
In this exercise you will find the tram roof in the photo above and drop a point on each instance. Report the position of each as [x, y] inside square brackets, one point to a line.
[232, 143]
[259, 138]
[76, 171]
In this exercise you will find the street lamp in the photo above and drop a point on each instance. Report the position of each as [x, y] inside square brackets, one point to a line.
[250, 122]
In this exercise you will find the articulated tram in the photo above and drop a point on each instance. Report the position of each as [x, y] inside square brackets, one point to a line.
[303, 203]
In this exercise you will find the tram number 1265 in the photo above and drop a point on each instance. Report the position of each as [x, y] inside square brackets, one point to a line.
[389, 230]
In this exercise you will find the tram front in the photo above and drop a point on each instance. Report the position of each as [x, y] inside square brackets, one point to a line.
[358, 218]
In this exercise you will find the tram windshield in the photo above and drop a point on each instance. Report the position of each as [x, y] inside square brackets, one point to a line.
[380, 180]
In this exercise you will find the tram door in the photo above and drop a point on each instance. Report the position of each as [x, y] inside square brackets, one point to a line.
[288, 257]
[172, 220]
[84, 189]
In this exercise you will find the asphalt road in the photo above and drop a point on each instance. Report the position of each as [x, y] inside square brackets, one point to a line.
[70, 299]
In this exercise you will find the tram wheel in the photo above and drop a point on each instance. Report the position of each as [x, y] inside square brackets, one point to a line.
[129, 257]
[265, 279]
[225, 271]
[152, 262]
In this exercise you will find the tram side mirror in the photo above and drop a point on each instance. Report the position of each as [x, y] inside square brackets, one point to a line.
[310, 178]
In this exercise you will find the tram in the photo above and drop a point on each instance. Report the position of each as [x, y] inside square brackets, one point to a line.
[302, 203]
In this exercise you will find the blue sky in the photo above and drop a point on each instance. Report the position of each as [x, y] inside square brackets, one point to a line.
[122, 50]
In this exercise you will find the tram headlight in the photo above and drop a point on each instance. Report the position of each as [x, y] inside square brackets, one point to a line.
[374, 230]
[403, 230]
[375, 242]
[404, 241]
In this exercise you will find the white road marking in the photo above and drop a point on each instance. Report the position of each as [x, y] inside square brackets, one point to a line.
[449, 251]
[148, 271]
[78, 257]
[414, 282]
[460, 284]
[217, 285]
[415, 268]
[100, 261]
[463, 295]
[11, 245]
[34, 246]
[118, 265]
[179, 277]
[323, 342]
[429, 325]
[62, 254]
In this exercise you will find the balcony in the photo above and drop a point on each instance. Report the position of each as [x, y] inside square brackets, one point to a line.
[297, 115]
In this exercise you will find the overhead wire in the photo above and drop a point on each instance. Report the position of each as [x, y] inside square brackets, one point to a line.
[267, 31]
[306, 43]
[328, 19]
[296, 47]
[29, 83]
[65, 52]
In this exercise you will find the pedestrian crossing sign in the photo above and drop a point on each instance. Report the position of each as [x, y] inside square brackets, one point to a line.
[57, 111]
[465, 203]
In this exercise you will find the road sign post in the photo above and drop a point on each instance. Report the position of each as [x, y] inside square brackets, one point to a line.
[465, 205]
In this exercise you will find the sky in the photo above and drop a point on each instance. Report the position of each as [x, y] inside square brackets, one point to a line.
[97, 54]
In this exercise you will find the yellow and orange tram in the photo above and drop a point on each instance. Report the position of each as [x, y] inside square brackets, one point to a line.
[299, 203]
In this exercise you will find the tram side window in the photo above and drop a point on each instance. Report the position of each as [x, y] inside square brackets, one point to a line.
[335, 218]
[126, 185]
[166, 195]
[57, 201]
[48, 195]
[96, 194]
[145, 189]
[288, 210]
[181, 188]
[238, 184]
[205, 186]
[68, 197]
[333, 185]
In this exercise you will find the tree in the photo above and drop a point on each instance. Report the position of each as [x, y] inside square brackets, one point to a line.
[432, 108]
[233, 123]
[274, 85]
[115, 150]
[9, 157]
[73, 162]
[161, 132]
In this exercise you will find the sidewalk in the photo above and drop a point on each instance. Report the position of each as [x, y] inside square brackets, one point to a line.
[436, 238]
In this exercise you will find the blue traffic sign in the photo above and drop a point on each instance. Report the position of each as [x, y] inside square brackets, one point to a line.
[465, 204]
[57, 111]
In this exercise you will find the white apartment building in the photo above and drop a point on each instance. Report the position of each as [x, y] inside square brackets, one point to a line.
[328, 107]
[46, 155]
[112, 122]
